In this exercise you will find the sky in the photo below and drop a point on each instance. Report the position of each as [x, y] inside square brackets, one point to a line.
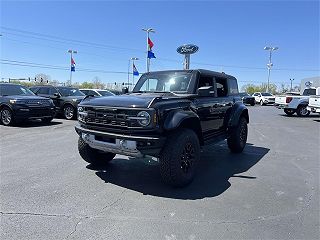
[231, 36]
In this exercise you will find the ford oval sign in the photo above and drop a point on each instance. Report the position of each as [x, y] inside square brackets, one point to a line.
[187, 49]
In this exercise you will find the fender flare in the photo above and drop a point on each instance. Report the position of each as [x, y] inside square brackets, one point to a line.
[176, 117]
[6, 105]
[238, 111]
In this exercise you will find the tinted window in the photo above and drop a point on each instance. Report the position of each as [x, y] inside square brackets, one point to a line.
[34, 89]
[309, 91]
[85, 91]
[65, 91]
[233, 88]
[244, 94]
[105, 93]
[52, 91]
[221, 87]
[43, 90]
[9, 90]
[266, 94]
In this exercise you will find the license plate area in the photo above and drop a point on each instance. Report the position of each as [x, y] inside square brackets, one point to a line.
[105, 139]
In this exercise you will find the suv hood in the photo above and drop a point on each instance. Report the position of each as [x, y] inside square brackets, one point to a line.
[133, 100]
[25, 97]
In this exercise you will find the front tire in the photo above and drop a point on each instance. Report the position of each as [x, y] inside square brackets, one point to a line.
[238, 137]
[47, 120]
[6, 116]
[179, 158]
[69, 112]
[289, 112]
[253, 103]
[302, 111]
[93, 156]
[261, 103]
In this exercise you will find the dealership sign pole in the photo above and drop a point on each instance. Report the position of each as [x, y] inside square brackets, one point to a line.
[187, 50]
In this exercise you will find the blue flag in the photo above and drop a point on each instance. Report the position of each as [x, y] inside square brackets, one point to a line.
[73, 68]
[135, 71]
[151, 54]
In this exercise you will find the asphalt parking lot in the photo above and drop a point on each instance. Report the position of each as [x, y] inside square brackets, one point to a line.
[271, 191]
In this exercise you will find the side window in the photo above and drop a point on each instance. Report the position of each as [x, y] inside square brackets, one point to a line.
[34, 89]
[90, 92]
[205, 81]
[85, 92]
[233, 86]
[222, 89]
[53, 91]
[43, 90]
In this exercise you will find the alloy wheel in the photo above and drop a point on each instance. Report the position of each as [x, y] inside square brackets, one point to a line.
[6, 116]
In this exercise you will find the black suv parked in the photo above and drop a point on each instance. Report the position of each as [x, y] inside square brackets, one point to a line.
[169, 115]
[66, 99]
[18, 103]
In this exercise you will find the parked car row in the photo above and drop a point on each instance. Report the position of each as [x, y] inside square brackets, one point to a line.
[18, 103]
[302, 105]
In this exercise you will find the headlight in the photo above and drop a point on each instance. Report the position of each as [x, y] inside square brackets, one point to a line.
[74, 100]
[13, 101]
[82, 114]
[143, 118]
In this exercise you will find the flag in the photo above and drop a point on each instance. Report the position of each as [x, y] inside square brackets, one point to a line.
[151, 54]
[135, 71]
[150, 43]
[73, 65]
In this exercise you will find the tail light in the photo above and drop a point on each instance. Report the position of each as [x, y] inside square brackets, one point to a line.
[288, 99]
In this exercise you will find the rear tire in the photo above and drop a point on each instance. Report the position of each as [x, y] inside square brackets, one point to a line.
[6, 116]
[289, 112]
[238, 137]
[302, 111]
[252, 104]
[93, 156]
[179, 158]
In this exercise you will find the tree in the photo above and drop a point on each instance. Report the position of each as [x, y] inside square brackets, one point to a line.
[97, 83]
[86, 85]
[251, 88]
[42, 78]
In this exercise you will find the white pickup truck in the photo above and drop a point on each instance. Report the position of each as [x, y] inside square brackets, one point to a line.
[296, 104]
[314, 104]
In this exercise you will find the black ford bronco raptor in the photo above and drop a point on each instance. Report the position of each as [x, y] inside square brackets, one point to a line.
[169, 115]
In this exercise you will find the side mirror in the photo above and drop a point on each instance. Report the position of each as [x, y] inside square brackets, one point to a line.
[206, 91]
[125, 90]
[57, 95]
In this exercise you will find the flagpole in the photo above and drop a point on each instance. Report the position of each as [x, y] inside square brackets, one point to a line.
[148, 48]
[70, 69]
[128, 73]
[71, 52]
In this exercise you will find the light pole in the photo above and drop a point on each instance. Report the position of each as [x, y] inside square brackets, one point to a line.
[148, 30]
[71, 52]
[270, 64]
[131, 59]
[291, 80]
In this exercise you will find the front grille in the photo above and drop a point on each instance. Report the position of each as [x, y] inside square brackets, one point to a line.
[117, 118]
[271, 99]
[37, 103]
[40, 112]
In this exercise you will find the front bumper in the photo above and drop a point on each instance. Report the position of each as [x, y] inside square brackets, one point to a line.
[313, 109]
[33, 112]
[129, 145]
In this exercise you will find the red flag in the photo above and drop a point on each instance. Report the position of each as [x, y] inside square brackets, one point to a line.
[150, 43]
[73, 62]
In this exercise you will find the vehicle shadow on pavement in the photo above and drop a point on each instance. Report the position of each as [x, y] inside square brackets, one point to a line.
[35, 123]
[217, 165]
[296, 116]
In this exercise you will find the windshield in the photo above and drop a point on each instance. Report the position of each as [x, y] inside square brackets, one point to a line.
[70, 92]
[243, 94]
[9, 90]
[177, 82]
[105, 93]
[266, 94]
